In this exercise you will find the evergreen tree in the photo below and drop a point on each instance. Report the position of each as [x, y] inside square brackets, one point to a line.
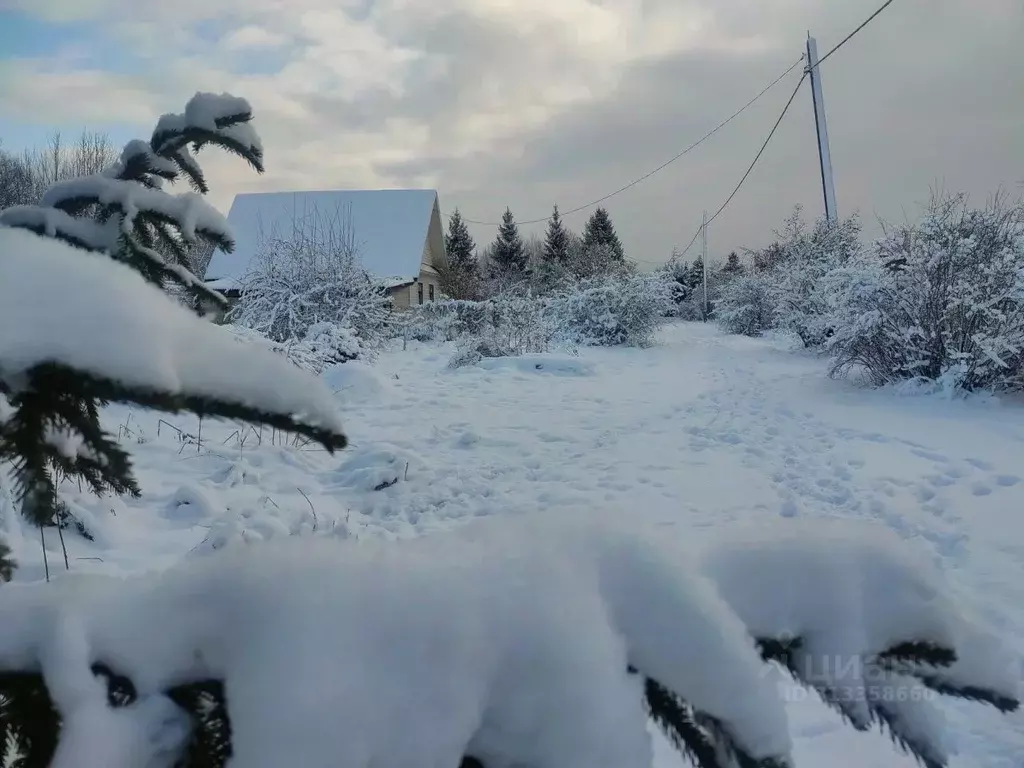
[733, 267]
[556, 240]
[697, 272]
[459, 246]
[600, 231]
[51, 390]
[461, 272]
[509, 258]
[554, 263]
[124, 213]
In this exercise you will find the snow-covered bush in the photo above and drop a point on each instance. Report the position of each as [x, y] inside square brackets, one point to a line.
[747, 305]
[806, 258]
[445, 320]
[323, 345]
[309, 275]
[942, 301]
[678, 271]
[612, 311]
[689, 287]
[511, 326]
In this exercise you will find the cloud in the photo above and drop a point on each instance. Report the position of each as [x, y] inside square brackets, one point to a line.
[252, 37]
[530, 102]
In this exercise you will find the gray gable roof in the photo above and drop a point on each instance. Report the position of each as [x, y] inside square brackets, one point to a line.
[390, 228]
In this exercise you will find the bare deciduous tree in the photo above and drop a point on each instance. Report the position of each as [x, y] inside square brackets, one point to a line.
[25, 177]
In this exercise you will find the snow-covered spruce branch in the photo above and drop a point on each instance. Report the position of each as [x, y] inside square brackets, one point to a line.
[855, 614]
[76, 331]
[574, 637]
[124, 211]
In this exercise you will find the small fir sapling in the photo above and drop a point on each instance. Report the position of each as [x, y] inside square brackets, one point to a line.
[84, 322]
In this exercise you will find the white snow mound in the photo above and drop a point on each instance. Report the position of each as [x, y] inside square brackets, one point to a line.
[376, 467]
[355, 381]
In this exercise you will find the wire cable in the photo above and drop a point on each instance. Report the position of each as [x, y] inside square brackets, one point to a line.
[750, 168]
[711, 133]
[807, 71]
[850, 36]
[661, 167]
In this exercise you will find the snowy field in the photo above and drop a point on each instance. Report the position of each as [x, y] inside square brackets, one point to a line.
[699, 433]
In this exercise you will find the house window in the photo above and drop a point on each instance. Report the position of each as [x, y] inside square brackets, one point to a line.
[431, 288]
[419, 292]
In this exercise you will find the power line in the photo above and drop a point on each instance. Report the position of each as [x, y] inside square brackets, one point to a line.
[807, 71]
[711, 133]
[850, 36]
[664, 165]
[750, 168]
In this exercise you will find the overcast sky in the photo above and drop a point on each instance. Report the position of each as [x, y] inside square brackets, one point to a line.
[525, 103]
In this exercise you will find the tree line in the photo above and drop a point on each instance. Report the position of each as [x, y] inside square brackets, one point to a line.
[25, 176]
[544, 264]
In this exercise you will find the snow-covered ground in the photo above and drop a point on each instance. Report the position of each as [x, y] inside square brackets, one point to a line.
[699, 433]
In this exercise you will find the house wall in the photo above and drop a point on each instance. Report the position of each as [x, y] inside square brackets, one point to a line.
[408, 296]
[433, 256]
[400, 297]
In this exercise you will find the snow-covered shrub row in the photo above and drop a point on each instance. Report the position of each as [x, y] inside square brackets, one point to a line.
[940, 301]
[688, 296]
[445, 320]
[323, 345]
[613, 311]
[509, 326]
[787, 289]
[311, 275]
[550, 643]
[604, 311]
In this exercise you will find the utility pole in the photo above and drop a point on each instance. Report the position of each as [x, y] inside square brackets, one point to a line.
[704, 262]
[824, 155]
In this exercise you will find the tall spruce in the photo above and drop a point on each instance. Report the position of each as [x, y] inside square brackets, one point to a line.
[460, 276]
[556, 240]
[555, 257]
[50, 400]
[600, 231]
[459, 245]
[509, 258]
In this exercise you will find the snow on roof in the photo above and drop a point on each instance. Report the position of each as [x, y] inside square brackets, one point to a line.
[390, 227]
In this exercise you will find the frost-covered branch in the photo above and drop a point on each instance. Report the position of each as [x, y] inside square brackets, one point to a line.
[131, 216]
[312, 275]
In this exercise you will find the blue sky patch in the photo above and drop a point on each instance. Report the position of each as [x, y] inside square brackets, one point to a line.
[16, 135]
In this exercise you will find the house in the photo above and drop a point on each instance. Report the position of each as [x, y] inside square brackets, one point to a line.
[397, 233]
